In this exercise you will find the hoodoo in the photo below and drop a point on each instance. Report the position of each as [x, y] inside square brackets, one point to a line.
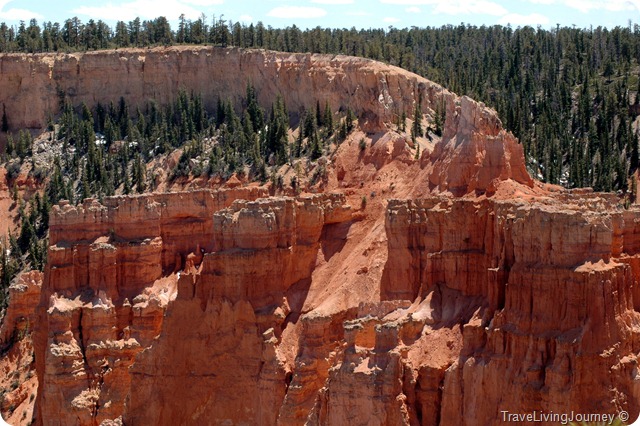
[439, 287]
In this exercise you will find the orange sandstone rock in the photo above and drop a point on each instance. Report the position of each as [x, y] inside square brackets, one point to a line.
[460, 288]
[18, 381]
[374, 91]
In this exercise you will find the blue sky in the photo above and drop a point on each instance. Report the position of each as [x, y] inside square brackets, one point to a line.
[339, 13]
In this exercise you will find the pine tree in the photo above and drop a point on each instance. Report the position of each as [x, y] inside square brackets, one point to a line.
[253, 108]
[139, 175]
[220, 112]
[27, 232]
[14, 247]
[247, 125]
[416, 128]
[127, 183]
[299, 141]
[343, 133]
[310, 125]
[45, 208]
[328, 118]
[34, 254]
[199, 118]
[350, 119]
[319, 116]
[440, 117]
[110, 133]
[10, 148]
[85, 188]
[4, 127]
[316, 147]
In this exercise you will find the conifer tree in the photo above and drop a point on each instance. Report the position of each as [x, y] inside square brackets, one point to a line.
[139, 175]
[328, 119]
[4, 127]
[126, 182]
[319, 116]
[416, 128]
[85, 188]
[349, 120]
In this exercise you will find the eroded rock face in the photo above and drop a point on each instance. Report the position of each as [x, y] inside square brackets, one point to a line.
[230, 313]
[487, 305]
[18, 382]
[21, 315]
[475, 153]
[31, 85]
[484, 293]
[115, 317]
[108, 283]
[543, 293]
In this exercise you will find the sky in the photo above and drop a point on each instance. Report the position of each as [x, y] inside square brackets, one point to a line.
[338, 13]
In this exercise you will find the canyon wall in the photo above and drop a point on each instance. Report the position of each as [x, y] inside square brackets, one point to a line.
[544, 293]
[174, 297]
[31, 86]
[460, 288]
[18, 381]
[474, 153]
[109, 278]
[485, 306]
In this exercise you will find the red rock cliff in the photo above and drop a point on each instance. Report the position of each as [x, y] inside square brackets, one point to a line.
[472, 290]
[115, 317]
[544, 294]
[473, 154]
[31, 85]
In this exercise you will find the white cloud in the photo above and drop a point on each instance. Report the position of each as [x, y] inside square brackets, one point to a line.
[413, 9]
[582, 6]
[456, 7]
[518, 20]
[144, 9]
[391, 20]
[471, 7]
[587, 6]
[410, 2]
[16, 14]
[296, 12]
[245, 18]
[332, 1]
[633, 4]
[203, 2]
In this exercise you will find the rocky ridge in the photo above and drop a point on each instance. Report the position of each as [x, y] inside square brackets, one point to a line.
[140, 308]
[437, 290]
[19, 380]
[31, 85]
